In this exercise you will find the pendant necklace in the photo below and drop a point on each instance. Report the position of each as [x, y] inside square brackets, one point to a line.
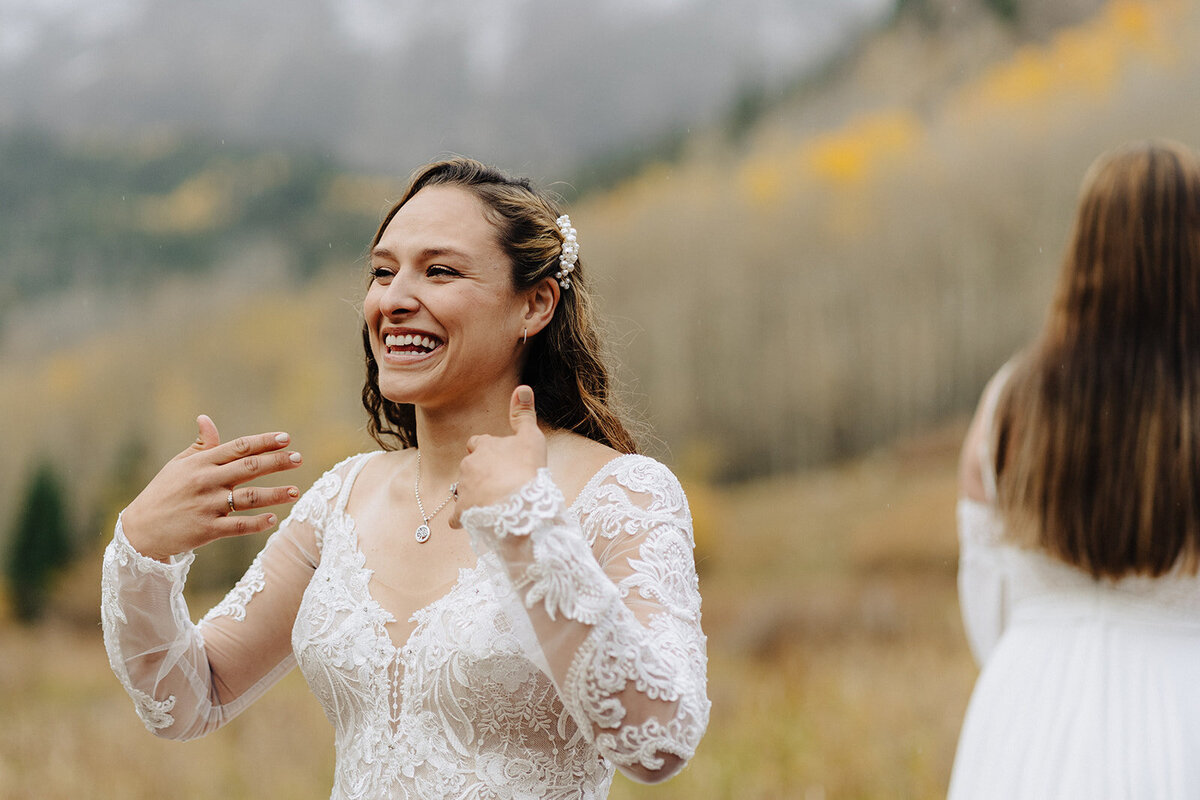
[422, 533]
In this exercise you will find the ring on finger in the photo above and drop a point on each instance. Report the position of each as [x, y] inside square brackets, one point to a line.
[229, 500]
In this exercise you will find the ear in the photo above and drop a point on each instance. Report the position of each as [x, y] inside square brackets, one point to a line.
[541, 300]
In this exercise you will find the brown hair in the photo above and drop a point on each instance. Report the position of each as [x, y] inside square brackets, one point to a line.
[563, 364]
[1097, 452]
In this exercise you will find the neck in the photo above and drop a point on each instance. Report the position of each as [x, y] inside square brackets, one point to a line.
[442, 433]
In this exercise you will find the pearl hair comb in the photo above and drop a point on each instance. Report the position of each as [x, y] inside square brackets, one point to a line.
[570, 252]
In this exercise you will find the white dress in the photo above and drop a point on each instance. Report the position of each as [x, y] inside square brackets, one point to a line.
[1089, 688]
[572, 647]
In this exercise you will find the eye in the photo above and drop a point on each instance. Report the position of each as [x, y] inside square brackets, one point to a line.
[382, 275]
[440, 271]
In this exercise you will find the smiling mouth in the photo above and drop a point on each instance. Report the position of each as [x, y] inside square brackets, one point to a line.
[411, 343]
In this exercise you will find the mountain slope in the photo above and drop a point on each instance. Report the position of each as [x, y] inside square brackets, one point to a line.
[386, 85]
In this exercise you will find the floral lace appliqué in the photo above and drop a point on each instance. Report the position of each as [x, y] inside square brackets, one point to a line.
[234, 603]
[662, 658]
[521, 512]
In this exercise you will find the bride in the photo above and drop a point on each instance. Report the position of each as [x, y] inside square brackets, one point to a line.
[502, 601]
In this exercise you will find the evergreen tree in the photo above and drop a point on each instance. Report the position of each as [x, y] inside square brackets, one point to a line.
[40, 544]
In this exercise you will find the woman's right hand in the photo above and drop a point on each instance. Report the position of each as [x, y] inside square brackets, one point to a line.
[186, 505]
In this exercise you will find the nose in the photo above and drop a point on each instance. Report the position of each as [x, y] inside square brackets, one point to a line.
[399, 296]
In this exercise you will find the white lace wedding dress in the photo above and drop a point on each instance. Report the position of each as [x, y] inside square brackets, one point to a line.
[572, 647]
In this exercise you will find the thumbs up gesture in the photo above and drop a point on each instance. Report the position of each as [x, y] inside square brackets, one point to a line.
[496, 466]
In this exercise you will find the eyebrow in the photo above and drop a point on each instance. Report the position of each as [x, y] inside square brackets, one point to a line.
[424, 254]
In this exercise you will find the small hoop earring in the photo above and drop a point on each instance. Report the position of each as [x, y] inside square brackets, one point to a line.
[524, 336]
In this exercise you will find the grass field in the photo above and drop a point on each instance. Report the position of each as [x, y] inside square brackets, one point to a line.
[838, 667]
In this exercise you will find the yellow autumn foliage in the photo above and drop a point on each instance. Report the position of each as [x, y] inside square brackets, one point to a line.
[846, 158]
[862, 148]
[1084, 63]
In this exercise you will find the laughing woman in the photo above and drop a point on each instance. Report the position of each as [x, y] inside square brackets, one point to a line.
[556, 639]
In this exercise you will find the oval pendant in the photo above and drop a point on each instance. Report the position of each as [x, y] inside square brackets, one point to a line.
[422, 533]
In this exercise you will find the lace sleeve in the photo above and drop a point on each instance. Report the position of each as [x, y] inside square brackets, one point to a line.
[187, 679]
[617, 621]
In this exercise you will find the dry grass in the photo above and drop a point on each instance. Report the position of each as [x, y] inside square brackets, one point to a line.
[70, 732]
[837, 664]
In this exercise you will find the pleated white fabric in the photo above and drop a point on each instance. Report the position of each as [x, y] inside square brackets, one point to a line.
[1091, 690]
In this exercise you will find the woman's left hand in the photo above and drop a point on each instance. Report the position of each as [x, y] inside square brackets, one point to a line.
[496, 466]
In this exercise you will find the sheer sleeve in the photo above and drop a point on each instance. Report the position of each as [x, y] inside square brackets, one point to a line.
[613, 600]
[189, 679]
[984, 590]
[983, 584]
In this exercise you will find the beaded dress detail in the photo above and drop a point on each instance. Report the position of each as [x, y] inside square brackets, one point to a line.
[572, 647]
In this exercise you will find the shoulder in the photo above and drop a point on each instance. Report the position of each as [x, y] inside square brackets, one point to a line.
[637, 485]
[582, 467]
[638, 473]
[634, 495]
[973, 475]
[329, 491]
[570, 454]
[970, 462]
[574, 459]
[368, 470]
[319, 506]
[348, 469]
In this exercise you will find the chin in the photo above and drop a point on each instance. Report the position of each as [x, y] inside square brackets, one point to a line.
[396, 391]
[399, 398]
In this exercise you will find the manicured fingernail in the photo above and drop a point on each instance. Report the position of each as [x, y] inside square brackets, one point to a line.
[294, 458]
[293, 492]
[282, 438]
[525, 394]
[270, 519]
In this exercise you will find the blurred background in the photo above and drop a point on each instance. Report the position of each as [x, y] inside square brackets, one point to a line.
[816, 227]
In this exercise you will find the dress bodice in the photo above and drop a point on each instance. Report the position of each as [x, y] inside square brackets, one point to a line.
[458, 710]
[1002, 584]
[571, 648]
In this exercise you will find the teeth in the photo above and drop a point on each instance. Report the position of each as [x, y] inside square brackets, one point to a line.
[408, 339]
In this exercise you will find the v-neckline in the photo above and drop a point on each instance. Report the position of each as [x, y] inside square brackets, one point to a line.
[367, 573]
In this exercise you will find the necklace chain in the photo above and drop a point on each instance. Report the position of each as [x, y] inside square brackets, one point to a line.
[422, 533]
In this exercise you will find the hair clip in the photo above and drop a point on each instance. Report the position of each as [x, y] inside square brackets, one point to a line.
[570, 252]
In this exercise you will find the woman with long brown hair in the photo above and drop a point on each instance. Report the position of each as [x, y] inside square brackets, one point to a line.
[1079, 522]
[554, 641]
